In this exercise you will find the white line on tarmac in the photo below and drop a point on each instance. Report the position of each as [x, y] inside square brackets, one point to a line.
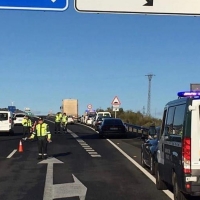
[96, 155]
[167, 192]
[89, 150]
[12, 153]
[93, 153]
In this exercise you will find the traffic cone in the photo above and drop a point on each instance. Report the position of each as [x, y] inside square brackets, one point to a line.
[20, 149]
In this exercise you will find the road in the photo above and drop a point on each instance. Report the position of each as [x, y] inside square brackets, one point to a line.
[90, 166]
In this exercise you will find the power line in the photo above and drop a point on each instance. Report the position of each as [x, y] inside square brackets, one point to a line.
[150, 76]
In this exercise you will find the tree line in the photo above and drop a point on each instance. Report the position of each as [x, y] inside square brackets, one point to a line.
[136, 118]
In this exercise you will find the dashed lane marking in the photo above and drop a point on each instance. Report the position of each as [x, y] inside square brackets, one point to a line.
[12, 153]
[85, 145]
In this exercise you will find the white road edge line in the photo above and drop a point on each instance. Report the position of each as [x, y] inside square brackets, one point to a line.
[12, 153]
[167, 192]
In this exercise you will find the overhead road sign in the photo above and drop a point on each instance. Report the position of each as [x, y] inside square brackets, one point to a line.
[169, 7]
[47, 5]
[116, 101]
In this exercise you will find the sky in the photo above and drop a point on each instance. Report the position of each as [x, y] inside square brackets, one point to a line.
[49, 56]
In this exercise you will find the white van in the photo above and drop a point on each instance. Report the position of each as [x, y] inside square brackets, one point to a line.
[6, 122]
[103, 114]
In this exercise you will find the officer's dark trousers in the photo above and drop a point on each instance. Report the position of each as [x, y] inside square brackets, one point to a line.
[26, 131]
[42, 145]
[57, 127]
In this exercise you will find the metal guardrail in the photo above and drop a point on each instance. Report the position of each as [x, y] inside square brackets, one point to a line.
[138, 130]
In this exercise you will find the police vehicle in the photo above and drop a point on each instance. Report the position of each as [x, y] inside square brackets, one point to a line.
[178, 155]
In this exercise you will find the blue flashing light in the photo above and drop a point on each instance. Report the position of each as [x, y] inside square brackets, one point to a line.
[191, 94]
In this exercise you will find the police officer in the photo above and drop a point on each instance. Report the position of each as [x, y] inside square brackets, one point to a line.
[64, 121]
[57, 123]
[27, 124]
[44, 136]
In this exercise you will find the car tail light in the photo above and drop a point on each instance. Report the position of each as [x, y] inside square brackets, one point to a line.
[186, 155]
[10, 120]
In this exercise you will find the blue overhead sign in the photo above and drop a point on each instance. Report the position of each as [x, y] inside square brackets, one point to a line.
[11, 109]
[51, 5]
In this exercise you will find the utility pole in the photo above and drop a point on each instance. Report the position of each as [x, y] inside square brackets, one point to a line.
[150, 76]
[143, 110]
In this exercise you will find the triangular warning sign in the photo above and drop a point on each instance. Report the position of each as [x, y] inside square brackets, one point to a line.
[116, 101]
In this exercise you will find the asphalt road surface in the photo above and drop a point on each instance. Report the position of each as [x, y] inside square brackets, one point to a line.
[80, 166]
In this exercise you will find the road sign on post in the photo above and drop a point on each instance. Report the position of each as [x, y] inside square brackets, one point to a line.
[169, 7]
[48, 5]
[12, 109]
[89, 106]
[115, 104]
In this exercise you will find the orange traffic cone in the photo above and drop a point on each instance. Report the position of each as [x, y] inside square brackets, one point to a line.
[20, 149]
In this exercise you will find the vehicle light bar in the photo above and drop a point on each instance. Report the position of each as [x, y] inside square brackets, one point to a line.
[189, 94]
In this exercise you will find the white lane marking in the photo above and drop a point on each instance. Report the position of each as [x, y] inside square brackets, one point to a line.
[167, 192]
[12, 153]
[96, 156]
[93, 153]
[84, 144]
[87, 148]
[58, 191]
[81, 142]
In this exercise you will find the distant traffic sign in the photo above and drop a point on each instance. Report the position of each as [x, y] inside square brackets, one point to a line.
[169, 7]
[89, 106]
[51, 5]
[12, 109]
[116, 101]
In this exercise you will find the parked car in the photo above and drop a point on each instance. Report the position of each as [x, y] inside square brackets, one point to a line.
[112, 126]
[149, 151]
[18, 118]
[6, 122]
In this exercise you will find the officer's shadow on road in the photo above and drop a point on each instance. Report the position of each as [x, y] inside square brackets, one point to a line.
[61, 154]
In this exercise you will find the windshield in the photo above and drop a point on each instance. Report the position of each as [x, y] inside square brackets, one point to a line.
[20, 115]
[113, 122]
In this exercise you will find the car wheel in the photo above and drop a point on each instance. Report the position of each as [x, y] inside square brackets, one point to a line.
[152, 165]
[160, 185]
[142, 159]
[178, 195]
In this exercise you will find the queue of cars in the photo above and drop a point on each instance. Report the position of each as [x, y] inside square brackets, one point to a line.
[105, 124]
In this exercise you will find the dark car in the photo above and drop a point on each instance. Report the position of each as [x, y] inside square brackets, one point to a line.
[112, 126]
[149, 151]
[99, 121]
